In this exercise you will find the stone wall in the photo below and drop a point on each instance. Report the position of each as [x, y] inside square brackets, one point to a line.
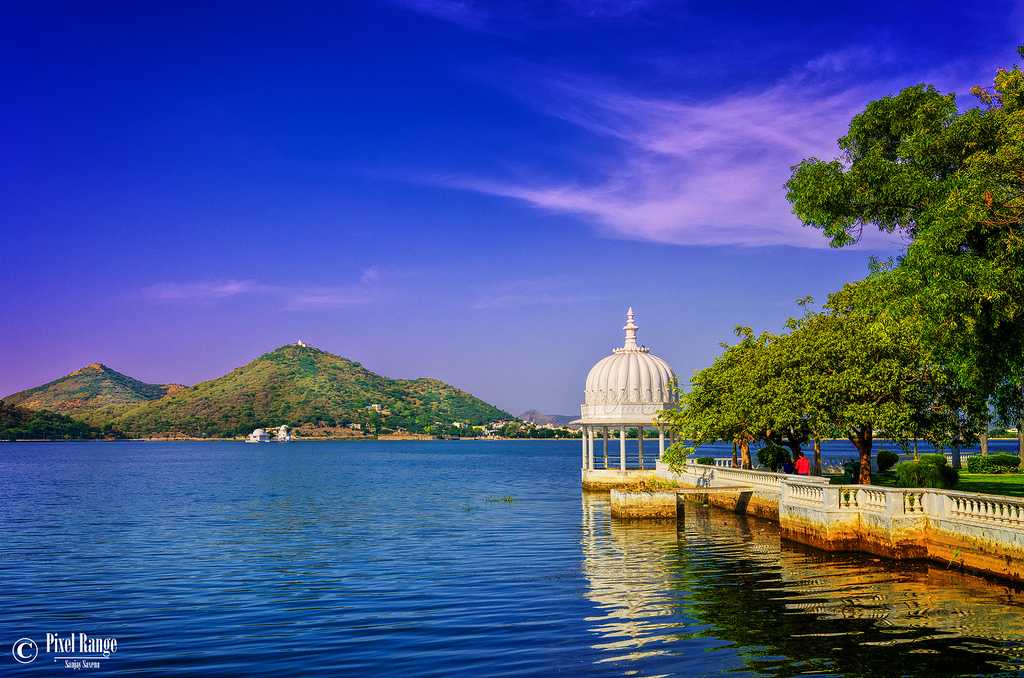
[609, 479]
[978, 532]
[644, 505]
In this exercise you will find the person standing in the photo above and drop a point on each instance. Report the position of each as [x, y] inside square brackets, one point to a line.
[802, 465]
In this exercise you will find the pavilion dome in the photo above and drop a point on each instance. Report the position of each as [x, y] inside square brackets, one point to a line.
[632, 382]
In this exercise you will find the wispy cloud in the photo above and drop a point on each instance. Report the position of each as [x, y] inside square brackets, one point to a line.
[548, 291]
[290, 298]
[207, 289]
[702, 172]
[479, 15]
[462, 12]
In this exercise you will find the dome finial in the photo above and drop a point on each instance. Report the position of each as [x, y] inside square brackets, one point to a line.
[630, 328]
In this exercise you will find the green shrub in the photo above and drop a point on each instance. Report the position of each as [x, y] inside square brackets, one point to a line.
[773, 456]
[886, 460]
[707, 461]
[851, 472]
[993, 463]
[931, 471]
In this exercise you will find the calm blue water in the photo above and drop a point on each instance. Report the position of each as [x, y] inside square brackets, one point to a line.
[399, 558]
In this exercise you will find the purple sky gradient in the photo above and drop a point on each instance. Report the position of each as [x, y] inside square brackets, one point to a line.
[466, 190]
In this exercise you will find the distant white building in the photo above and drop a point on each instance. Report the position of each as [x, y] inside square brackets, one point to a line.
[283, 435]
[258, 436]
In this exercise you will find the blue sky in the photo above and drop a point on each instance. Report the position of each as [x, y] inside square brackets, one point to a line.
[464, 190]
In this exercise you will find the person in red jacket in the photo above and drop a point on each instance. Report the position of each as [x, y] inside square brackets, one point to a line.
[802, 465]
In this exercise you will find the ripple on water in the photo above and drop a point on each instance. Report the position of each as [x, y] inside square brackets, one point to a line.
[394, 558]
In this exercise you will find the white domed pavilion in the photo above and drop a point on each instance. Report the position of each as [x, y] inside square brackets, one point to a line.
[625, 390]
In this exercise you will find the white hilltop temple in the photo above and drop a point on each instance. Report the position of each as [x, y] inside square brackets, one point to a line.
[624, 390]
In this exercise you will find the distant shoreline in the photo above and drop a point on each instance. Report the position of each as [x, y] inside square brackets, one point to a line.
[405, 439]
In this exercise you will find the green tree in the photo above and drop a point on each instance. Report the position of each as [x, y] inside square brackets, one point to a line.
[952, 183]
[863, 368]
[722, 403]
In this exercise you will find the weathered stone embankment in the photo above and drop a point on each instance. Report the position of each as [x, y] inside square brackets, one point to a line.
[977, 532]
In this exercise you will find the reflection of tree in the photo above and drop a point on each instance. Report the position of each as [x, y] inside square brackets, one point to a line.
[725, 577]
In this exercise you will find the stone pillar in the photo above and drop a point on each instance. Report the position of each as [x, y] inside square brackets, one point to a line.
[640, 445]
[590, 449]
[622, 449]
[605, 430]
[661, 442]
[583, 439]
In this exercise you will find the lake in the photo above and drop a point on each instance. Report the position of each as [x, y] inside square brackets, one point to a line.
[441, 558]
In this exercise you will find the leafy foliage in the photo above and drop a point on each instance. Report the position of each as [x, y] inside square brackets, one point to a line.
[773, 456]
[993, 463]
[886, 460]
[676, 455]
[952, 183]
[706, 461]
[19, 423]
[719, 405]
[931, 471]
[920, 347]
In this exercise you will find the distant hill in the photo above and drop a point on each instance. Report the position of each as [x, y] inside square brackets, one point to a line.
[538, 417]
[93, 394]
[23, 423]
[298, 385]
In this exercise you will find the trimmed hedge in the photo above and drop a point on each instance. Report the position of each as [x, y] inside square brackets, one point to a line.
[707, 461]
[993, 463]
[931, 471]
[886, 460]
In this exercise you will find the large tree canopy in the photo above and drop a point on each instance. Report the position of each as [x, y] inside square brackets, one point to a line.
[919, 347]
[952, 182]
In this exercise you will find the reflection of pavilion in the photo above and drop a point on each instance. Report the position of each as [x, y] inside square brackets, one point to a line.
[625, 390]
[627, 568]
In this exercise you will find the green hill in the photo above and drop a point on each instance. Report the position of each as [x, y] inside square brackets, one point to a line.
[94, 394]
[298, 385]
[22, 423]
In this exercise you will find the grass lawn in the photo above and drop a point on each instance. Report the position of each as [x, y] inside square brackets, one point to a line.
[1007, 484]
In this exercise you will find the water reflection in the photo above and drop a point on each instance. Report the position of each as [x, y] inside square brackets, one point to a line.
[723, 592]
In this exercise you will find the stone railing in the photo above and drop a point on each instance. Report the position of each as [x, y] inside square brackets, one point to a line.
[981, 508]
[931, 503]
[964, 456]
[862, 498]
[913, 501]
[804, 493]
[767, 481]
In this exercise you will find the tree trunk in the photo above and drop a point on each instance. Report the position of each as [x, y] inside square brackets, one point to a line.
[745, 453]
[794, 447]
[735, 458]
[1020, 444]
[983, 438]
[861, 439]
[917, 455]
[817, 456]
